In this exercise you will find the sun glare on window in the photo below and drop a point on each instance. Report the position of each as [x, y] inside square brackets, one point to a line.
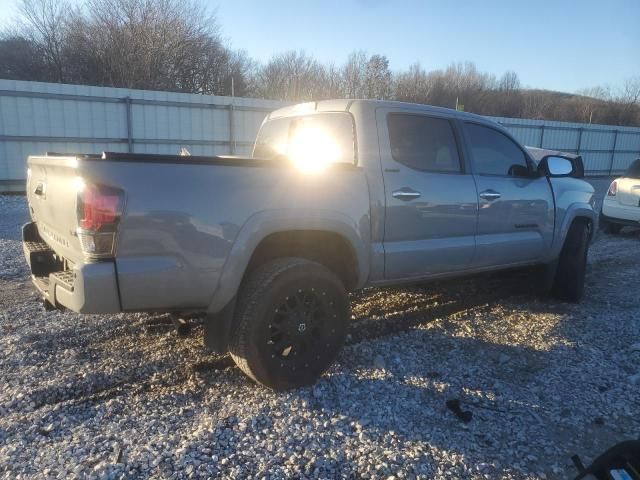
[312, 149]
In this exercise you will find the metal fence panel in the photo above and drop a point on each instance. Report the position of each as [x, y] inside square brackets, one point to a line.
[628, 141]
[605, 149]
[39, 117]
[597, 163]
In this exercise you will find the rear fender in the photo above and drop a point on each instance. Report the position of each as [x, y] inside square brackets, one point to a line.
[265, 223]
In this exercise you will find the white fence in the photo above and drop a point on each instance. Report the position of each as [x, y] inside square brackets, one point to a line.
[606, 150]
[40, 117]
[45, 117]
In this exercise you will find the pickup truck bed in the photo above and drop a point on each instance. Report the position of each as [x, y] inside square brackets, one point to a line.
[168, 259]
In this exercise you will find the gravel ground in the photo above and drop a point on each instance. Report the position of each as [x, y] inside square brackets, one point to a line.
[123, 396]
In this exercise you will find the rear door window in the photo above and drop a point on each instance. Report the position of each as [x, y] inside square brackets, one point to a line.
[423, 143]
[330, 134]
[494, 153]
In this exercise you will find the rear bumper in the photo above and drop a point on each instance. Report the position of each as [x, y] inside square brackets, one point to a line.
[613, 212]
[85, 288]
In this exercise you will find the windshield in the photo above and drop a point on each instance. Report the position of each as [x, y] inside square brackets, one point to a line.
[326, 135]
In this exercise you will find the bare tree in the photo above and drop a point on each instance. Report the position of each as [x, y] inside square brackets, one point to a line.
[629, 101]
[414, 85]
[176, 45]
[377, 81]
[354, 74]
[157, 44]
[537, 105]
[44, 24]
[509, 82]
[291, 76]
[19, 59]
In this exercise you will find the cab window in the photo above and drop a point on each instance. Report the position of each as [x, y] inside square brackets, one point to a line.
[330, 133]
[423, 143]
[494, 153]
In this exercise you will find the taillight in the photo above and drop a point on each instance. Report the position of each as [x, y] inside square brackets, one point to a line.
[613, 189]
[99, 209]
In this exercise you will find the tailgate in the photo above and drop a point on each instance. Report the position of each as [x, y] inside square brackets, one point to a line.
[629, 191]
[52, 194]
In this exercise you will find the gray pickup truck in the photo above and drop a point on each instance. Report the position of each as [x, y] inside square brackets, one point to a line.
[338, 195]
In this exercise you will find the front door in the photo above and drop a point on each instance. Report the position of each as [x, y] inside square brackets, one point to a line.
[516, 208]
[431, 198]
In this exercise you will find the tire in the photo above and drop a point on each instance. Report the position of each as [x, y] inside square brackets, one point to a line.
[290, 323]
[568, 284]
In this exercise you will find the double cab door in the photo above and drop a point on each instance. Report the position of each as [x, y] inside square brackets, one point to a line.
[459, 196]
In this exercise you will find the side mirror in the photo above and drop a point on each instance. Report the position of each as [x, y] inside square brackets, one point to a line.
[554, 166]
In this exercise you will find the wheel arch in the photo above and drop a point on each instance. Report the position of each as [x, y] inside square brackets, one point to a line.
[329, 238]
[577, 212]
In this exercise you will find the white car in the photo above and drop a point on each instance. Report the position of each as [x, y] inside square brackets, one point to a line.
[621, 205]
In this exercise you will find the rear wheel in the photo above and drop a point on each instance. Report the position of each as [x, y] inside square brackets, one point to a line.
[290, 323]
[568, 284]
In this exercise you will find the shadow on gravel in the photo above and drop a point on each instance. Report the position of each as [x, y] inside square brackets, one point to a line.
[496, 383]
[88, 388]
[83, 339]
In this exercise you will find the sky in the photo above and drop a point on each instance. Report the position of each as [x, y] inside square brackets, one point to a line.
[564, 45]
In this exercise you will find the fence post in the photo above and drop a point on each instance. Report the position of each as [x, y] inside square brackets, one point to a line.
[232, 133]
[580, 130]
[613, 151]
[541, 136]
[129, 126]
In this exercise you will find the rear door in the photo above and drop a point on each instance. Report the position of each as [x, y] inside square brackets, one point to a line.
[431, 198]
[516, 207]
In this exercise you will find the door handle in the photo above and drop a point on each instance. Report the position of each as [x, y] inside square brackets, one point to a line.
[490, 195]
[405, 194]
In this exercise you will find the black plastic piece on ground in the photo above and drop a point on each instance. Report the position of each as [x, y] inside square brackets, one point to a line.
[578, 463]
[182, 326]
[454, 405]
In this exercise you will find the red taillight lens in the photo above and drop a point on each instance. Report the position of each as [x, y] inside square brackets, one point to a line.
[613, 189]
[99, 209]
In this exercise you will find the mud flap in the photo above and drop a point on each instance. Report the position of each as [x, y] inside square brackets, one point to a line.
[217, 328]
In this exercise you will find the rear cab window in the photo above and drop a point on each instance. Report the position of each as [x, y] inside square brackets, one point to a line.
[330, 135]
[423, 143]
[494, 153]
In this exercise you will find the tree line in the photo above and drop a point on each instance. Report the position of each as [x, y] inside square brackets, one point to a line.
[176, 45]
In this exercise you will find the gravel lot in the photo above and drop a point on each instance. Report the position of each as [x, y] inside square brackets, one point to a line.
[123, 396]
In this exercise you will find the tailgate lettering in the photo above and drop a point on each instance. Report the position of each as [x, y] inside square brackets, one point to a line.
[51, 235]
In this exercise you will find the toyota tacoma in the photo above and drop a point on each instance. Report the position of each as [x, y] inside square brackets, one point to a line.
[338, 195]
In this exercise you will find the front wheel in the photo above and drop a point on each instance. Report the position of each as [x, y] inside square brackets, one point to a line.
[568, 284]
[290, 323]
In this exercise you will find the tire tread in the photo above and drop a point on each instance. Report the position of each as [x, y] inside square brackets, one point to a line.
[251, 293]
[568, 284]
